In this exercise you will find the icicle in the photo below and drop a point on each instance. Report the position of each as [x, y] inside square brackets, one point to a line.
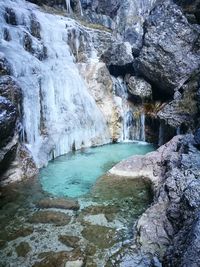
[68, 6]
[161, 135]
[142, 127]
[81, 10]
[178, 130]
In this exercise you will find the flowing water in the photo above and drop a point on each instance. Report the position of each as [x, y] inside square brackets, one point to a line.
[45, 228]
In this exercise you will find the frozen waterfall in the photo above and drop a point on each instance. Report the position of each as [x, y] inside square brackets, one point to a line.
[59, 114]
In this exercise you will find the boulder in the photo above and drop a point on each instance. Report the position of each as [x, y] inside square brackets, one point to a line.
[118, 54]
[169, 55]
[139, 88]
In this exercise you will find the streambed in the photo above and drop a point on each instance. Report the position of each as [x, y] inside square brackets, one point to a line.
[41, 226]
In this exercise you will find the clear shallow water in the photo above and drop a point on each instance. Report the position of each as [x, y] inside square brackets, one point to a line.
[74, 174]
[102, 227]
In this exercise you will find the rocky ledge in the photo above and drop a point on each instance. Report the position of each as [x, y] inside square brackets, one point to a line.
[170, 227]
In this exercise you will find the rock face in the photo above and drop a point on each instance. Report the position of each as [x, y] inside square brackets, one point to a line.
[182, 112]
[169, 55]
[170, 227]
[100, 84]
[15, 160]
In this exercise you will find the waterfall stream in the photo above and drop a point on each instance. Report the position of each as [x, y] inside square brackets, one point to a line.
[133, 117]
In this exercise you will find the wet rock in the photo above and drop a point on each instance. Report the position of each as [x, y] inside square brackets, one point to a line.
[10, 16]
[101, 236]
[8, 137]
[35, 27]
[169, 55]
[53, 217]
[38, 49]
[70, 241]
[8, 118]
[27, 43]
[23, 166]
[7, 156]
[23, 249]
[6, 35]
[5, 68]
[10, 89]
[139, 89]
[59, 203]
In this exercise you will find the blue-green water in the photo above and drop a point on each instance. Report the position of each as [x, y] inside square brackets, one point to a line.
[74, 174]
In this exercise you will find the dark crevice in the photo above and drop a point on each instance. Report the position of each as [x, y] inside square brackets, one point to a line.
[121, 70]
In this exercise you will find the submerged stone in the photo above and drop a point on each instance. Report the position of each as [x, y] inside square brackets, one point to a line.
[23, 249]
[70, 241]
[101, 236]
[109, 211]
[59, 203]
[22, 232]
[59, 259]
[53, 217]
[90, 250]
